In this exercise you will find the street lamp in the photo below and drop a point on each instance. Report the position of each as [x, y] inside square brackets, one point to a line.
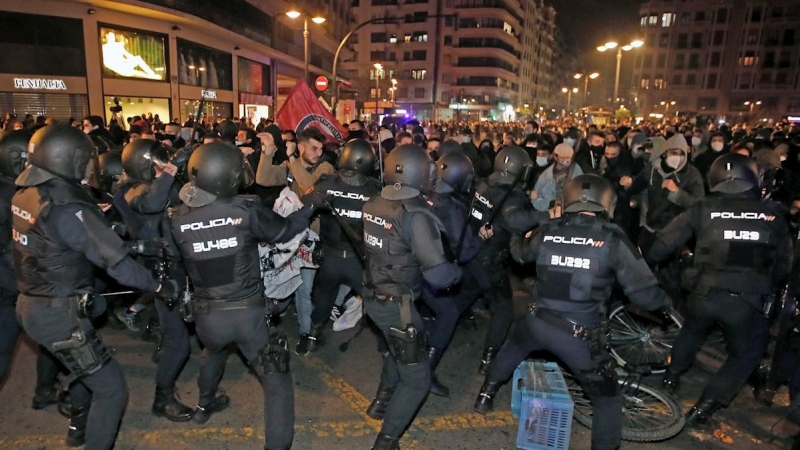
[317, 19]
[752, 104]
[628, 47]
[569, 93]
[378, 69]
[586, 79]
[666, 105]
[393, 89]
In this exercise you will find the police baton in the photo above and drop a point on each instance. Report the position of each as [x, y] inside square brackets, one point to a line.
[348, 231]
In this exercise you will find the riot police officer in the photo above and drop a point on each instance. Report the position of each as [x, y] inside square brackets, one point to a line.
[743, 256]
[59, 235]
[218, 233]
[578, 258]
[403, 247]
[346, 192]
[500, 208]
[450, 202]
[145, 191]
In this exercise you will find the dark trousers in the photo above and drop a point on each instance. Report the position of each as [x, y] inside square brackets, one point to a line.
[487, 274]
[248, 329]
[106, 387]
[411, 382]
[448, 308]
[331, 274]
[746, 335]
[531, 334]
[9, 331]
[175, 346]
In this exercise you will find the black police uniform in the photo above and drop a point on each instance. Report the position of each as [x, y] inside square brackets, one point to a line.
[578, 258]
[404, 246]
[59, 236]
[340, 264]
[143, 207]
[488, 272]
[219, 245]
[742, 255]
[9, 329]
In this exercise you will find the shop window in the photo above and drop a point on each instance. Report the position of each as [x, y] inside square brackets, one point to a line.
[138, 106]
[133, 54]
[213, 110]
[203, 66]
[254, 77]
[41, 45]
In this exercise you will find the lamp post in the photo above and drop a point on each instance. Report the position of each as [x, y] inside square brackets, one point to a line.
[393, 89]
[611, 46]
[569, 93]
[752, 104]
[586, 79]
[666, 105]
[378, 69]
[317, 19]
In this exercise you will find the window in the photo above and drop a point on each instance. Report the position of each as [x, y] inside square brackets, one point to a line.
[407, 38]
[711, 81]
[449, 21]
[197, 66]
[788, 37]
[446, 78]
[420, 36]
[392, 56]
[686, 17]
[691, 79]
[416, 55]
[769, 59]
[377, 56]
[752, 37]
[765, 78]
[777, 12]
[694, 61]
[393, 38]
[706, 103]
[722, 16]
[418, 74]
[661, 61]
[680, 61]
[700, 16]
[376, 72]
[417, 17]
[745, 80]
[697, 40]
[677, 80]
[643, 21]
[445, 97]
[719, 37]
[151, 49]
[377, 37]
[663, 40]
[645, 83]
[354, 38]
[747, 59]
[782, 78]
[383, 2]
[448, 40]
[42, 45]
[683, 40]
[419, 92]
[254, 77]
[648, 61]
[667, 19]
[652, 20]
[755, 14]
[374, 93]
[659, 83]
[715, 59]
[785, 60]
[402, 92]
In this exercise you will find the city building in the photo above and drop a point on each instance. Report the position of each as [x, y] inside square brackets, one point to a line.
[465, 59]
[728, 59]
[70, 58]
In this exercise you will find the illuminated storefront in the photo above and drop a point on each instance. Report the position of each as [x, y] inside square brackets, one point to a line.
[205, 73]
[42, 68]
[255, 89]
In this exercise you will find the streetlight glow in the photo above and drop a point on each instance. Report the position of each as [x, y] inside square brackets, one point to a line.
[627, 48]
[578, 76]
[612, 45]
[637, 43]
[602, 48]
[378, 66]
[293, 14]
[318, 20]
[594, 75]
[564, 90]
[575, 90]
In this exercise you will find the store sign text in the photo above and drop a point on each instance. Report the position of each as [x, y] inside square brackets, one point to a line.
[40, 83]
[209, 95]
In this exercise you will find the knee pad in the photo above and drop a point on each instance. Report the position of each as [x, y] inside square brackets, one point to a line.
[274, 358]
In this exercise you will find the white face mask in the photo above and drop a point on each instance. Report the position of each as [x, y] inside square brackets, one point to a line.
[466, 139]
[541, 161]
[636, 150]
[674, 161]
[783, 157]
[695, 141]
[565, 162]
[570, 142]
[717, 146]
[238, 143]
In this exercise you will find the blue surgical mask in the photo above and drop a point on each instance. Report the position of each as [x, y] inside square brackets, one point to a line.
[570, 142]
[541, 161]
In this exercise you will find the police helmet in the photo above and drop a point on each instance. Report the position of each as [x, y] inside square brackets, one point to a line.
[589, 192]
[140, 158]
[449, 146]
[512, 163]
[454, 172]
[357, 156]
[217, 168]
[110, 170]
[61, 150]
[733, 174]
[13, 152]
[410, 165]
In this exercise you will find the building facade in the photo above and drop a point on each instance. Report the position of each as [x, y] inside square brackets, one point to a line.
[62, 58]
[463, 59]
[731, 59]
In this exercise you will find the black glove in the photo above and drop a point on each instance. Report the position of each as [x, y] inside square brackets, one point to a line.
[169, 292]
[150, 247]
[181, 157]
[120, 228]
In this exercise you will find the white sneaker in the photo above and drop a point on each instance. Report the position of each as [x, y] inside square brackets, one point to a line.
[351, 316]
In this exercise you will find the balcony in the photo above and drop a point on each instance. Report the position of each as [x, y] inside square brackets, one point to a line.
[516, 13]
[478, 42]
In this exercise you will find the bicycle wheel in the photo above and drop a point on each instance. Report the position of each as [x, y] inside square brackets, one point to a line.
[640, 338]
[648, 414]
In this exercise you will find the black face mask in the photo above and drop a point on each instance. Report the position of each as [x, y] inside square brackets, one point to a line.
[357, 134]
[795, 218]
[612, 161]
[597, 148]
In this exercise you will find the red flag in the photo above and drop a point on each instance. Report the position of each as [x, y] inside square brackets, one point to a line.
[302, 110]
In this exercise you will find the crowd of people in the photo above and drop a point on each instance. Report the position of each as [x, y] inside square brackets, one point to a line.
[404, 220]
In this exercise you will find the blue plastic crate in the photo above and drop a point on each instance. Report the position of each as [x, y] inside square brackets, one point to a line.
[541, 400]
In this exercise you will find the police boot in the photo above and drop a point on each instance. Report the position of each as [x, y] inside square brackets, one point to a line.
[378, 406]
[701, 412]
[485, 401]
[486, 360]
[168, 406]
[44, 396]
[386, 442]
[64, 403]
[208, 405]
[437, 388]
[315, 337]
[76, 436]
[670, 382]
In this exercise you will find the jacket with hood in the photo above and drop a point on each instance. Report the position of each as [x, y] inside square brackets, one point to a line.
[664, 205]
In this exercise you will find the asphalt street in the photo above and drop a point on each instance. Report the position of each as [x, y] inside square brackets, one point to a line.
[333, 390]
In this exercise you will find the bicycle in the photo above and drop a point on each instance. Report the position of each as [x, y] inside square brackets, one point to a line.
[648, 413]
